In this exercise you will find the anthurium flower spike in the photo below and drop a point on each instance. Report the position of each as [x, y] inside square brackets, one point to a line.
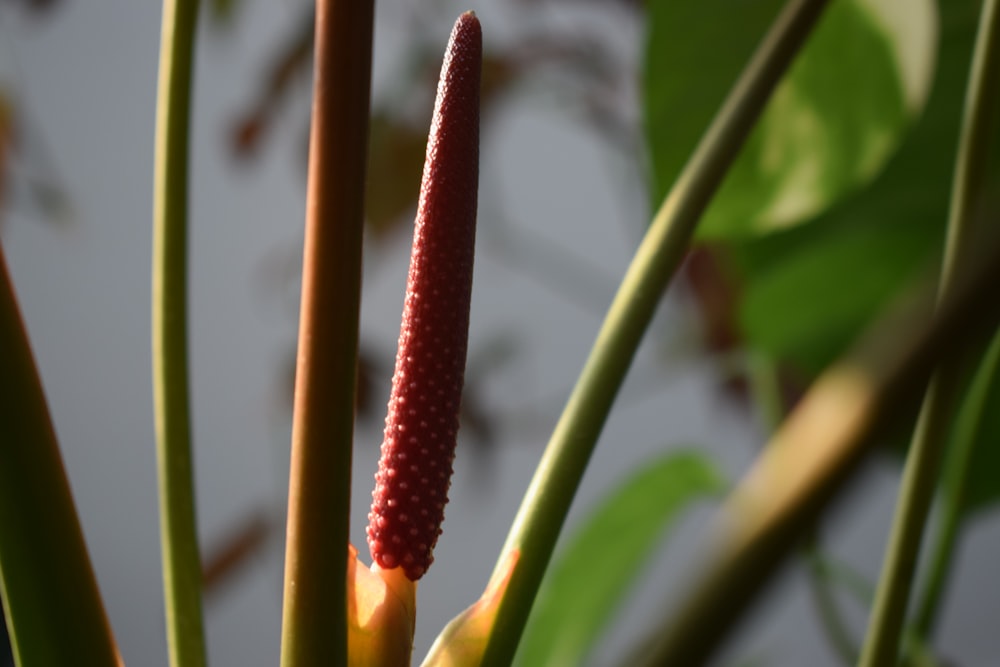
[420, 429]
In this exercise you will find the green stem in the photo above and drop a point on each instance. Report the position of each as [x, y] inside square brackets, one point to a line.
[765, 386]
[53, 607]
[314, 625]
[923, 462]
[834, 628]
[851, 581]
[178, 526]
[918, 655]
[550, 494]
[953, 490]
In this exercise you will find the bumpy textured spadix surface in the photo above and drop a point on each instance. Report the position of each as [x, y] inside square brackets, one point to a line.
[421, 426]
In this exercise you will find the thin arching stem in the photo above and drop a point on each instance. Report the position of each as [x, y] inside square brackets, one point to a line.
[923, 462]
[178, 529]
[551, 492]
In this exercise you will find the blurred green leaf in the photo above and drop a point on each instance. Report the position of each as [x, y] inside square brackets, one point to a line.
[828, 129]
[808, 292]
[592, 573]
[810, 304]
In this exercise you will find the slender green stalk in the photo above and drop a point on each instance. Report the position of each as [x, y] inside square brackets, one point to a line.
[850, 580]
[547, 501]
[53, 607]
[920, 656]
[178, 526]
[930, 439]
[835, 629]
[953, 490]
[314, 625]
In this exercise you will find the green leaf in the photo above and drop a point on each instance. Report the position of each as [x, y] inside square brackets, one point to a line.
[809, 292]
[810, 303]
[828, 129]
[50, 600]
[591, 575]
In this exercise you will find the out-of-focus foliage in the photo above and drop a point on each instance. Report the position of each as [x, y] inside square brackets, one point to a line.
[587, 73]
[810, 291]
[827, 129]
[291, 62]
[591, 575]
[6, 137]
[801, 296]
[28, 173]
[579, 67]
[39, 6]
[836, 272]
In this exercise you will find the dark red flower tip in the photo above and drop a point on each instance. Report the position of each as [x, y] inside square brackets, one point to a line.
[411, 486]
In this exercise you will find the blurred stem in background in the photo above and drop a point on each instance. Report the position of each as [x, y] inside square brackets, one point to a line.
[923, 462]
[765, 384]
[954, 491]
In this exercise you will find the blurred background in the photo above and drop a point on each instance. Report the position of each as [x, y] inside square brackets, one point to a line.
[566, 184]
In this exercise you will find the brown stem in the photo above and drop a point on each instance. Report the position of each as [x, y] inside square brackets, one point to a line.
[314, 628]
